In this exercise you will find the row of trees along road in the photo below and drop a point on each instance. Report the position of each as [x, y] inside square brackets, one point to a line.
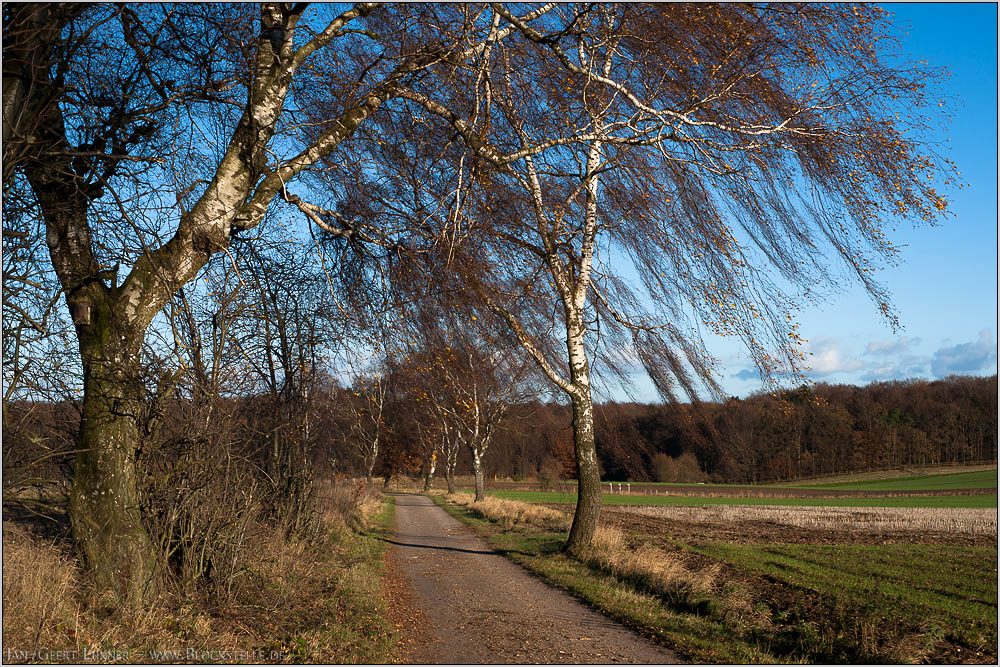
[593, 184]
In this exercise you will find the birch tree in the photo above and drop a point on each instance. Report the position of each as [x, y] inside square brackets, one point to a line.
[450, 445]
[430, 447]
[477, 388]
[416, 411]
[433, 404]
[632, 178]
[368, 424]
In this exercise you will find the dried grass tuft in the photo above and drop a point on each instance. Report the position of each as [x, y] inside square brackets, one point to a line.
[608, 539]
[650, 569]
[910, 649]
[347, 503]
[49, 606]
[39, 583]
[510, 513]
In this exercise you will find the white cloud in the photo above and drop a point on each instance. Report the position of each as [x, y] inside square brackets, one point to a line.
[828, 359]
[966, 358]
[901, 368]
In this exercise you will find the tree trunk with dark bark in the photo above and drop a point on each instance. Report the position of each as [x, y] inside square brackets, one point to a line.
[104, 503]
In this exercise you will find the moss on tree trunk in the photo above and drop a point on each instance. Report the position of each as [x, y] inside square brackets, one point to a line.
[104, 504]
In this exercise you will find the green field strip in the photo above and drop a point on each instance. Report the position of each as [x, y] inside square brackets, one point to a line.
[978, 501]
[979, 479]
[893, 574]
[921, 581]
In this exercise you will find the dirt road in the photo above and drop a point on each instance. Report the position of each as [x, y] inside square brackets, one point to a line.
[478, 607]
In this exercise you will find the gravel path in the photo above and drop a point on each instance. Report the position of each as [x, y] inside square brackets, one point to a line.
[477, 607]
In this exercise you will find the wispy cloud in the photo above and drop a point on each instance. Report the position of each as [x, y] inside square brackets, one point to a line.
[966, 358]
[891, 360]
[902, 368]
[887, 347]
[747, 374]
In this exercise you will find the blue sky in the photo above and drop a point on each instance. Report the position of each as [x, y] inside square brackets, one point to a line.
[945, 290]
[946, 287]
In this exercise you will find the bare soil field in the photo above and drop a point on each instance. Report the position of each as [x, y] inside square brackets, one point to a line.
[711, 491]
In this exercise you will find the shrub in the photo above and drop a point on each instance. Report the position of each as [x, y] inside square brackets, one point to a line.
[684, 468]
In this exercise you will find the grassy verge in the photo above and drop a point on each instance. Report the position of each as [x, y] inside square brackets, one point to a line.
[300, 601]
[958, 501]
[717, 602]
[343, 619]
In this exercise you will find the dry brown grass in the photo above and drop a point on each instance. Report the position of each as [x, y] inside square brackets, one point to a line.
[509, 513]
[49, 605]
[39, 583]
[345, 503]
[404, 484]
[648, 568]
[854, 519]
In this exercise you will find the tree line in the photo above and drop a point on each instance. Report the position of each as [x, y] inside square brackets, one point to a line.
[376, 429]
[818, 430]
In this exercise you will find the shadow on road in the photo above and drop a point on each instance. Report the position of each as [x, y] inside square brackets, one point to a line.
[438, 547]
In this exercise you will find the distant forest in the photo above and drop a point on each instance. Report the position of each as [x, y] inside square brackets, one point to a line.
[803, 432]
[820, 430]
